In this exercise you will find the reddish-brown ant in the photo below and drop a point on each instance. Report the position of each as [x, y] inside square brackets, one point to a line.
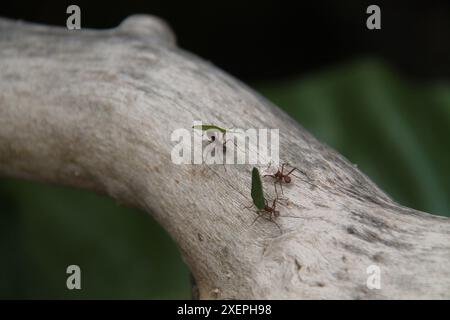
[280, 177]
[271, 211]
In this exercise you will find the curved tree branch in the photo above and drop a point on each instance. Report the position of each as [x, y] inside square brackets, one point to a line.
[95, 109]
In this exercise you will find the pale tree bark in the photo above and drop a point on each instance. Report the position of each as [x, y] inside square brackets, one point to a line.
[95, 109]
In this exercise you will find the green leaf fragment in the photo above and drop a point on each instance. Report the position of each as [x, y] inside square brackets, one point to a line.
[205, 127]
[257, 189]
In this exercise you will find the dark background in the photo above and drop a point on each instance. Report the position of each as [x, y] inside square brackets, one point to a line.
[256, 40]
[380, 97]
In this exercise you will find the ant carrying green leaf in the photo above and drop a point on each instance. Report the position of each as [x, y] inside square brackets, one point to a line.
[260, 201]
[211, 127]
[205, 127]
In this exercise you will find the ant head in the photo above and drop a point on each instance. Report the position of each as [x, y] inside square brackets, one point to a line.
[211, 135]
[287, 179]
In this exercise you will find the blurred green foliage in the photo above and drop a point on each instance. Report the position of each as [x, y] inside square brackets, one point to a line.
[122, 253]
[395, 131]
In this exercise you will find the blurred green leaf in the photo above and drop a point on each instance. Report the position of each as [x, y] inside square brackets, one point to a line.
[122, 253]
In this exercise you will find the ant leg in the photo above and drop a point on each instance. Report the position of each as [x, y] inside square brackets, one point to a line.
[274, 204]
[216, 148]
[301, 171]
[279, 228]
[259, 215]
[282, 168]
[224, 164]
[278, 197]
[303, 179]
[269, 175]
[276, 190]
[224, 143]
[207, 151]
[270, 164]
[291, 171]
[230, 140]
[273, 220]
[224, 151]
[248, 207]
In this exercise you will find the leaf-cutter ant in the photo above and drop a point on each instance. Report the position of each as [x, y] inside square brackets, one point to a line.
[261, 202]
[281, 177]
[210, 128]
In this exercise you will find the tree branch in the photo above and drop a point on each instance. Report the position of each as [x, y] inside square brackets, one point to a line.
[95, 109]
